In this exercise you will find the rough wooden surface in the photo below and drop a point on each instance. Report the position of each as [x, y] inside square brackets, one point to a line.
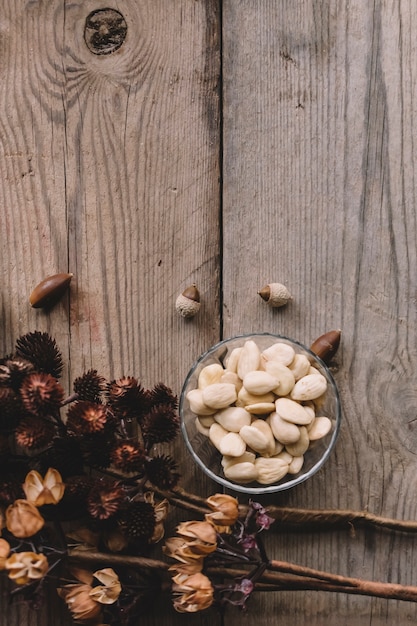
[113, 167]
[319, 194]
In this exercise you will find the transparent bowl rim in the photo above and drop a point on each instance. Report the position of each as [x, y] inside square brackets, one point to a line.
[264, 489]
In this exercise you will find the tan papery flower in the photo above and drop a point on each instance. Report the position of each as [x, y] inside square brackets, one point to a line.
[23, 519]
[82, 606]
[225, 509]
[26, 566]
[187, 569]
[183, 551]
[200, 533]
[193, 594]
[161, 512]
[110, 588]
[4, 552]
[47, 490]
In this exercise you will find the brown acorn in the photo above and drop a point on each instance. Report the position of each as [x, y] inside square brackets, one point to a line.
[326, 345]
[50, 290]
[188, 302]
[275, 294]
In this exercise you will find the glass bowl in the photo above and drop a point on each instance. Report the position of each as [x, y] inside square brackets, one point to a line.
[199, 441]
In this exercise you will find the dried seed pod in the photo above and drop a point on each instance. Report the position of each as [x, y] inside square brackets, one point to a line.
[188, 302]
[50, 290]
[326, 345]
[275, 294]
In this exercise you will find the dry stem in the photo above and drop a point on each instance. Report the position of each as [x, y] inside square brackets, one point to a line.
[299, 517]
[279, 575]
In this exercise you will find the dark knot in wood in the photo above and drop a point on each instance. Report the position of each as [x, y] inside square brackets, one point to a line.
[105, 31]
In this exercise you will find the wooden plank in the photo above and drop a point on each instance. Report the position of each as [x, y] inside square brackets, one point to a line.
[319, 193]
[110, 169]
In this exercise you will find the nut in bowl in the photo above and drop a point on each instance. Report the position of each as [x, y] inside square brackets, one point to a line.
[260, 413]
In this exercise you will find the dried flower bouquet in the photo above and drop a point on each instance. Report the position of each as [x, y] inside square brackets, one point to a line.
[85, 492]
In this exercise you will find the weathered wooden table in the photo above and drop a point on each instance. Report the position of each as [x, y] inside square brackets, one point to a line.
[228, 144]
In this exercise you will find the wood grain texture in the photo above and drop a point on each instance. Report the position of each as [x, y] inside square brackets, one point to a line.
[319, 193]
[109, 168]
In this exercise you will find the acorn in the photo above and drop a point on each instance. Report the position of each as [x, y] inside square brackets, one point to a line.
[275, 294]
[49, 290]
[326, 345]
[188, 302]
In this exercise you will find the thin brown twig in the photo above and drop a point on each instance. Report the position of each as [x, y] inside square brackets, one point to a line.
[338, 517]
[279, 575]
[293, 577]
[92, 556]
[299, 517]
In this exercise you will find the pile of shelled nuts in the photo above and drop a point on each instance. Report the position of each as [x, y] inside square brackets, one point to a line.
[261, 410]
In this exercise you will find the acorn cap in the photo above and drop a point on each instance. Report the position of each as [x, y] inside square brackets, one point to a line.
[192, 293]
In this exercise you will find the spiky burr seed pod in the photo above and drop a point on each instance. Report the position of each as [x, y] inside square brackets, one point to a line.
[10, 490]
[161, 394]
[41, 350]
[160, 425]
[87, 418]
[128, 456]
[90, 386]
[78, 487]
[139, 521]
[4, 445]
[106, 498]
[127, 396]
[41, 394]
[275, 294]
[74, 502]
[162, 471]
[13, 371]
[34, 433]
[10, 409]
[64, 454]
[96, 450]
